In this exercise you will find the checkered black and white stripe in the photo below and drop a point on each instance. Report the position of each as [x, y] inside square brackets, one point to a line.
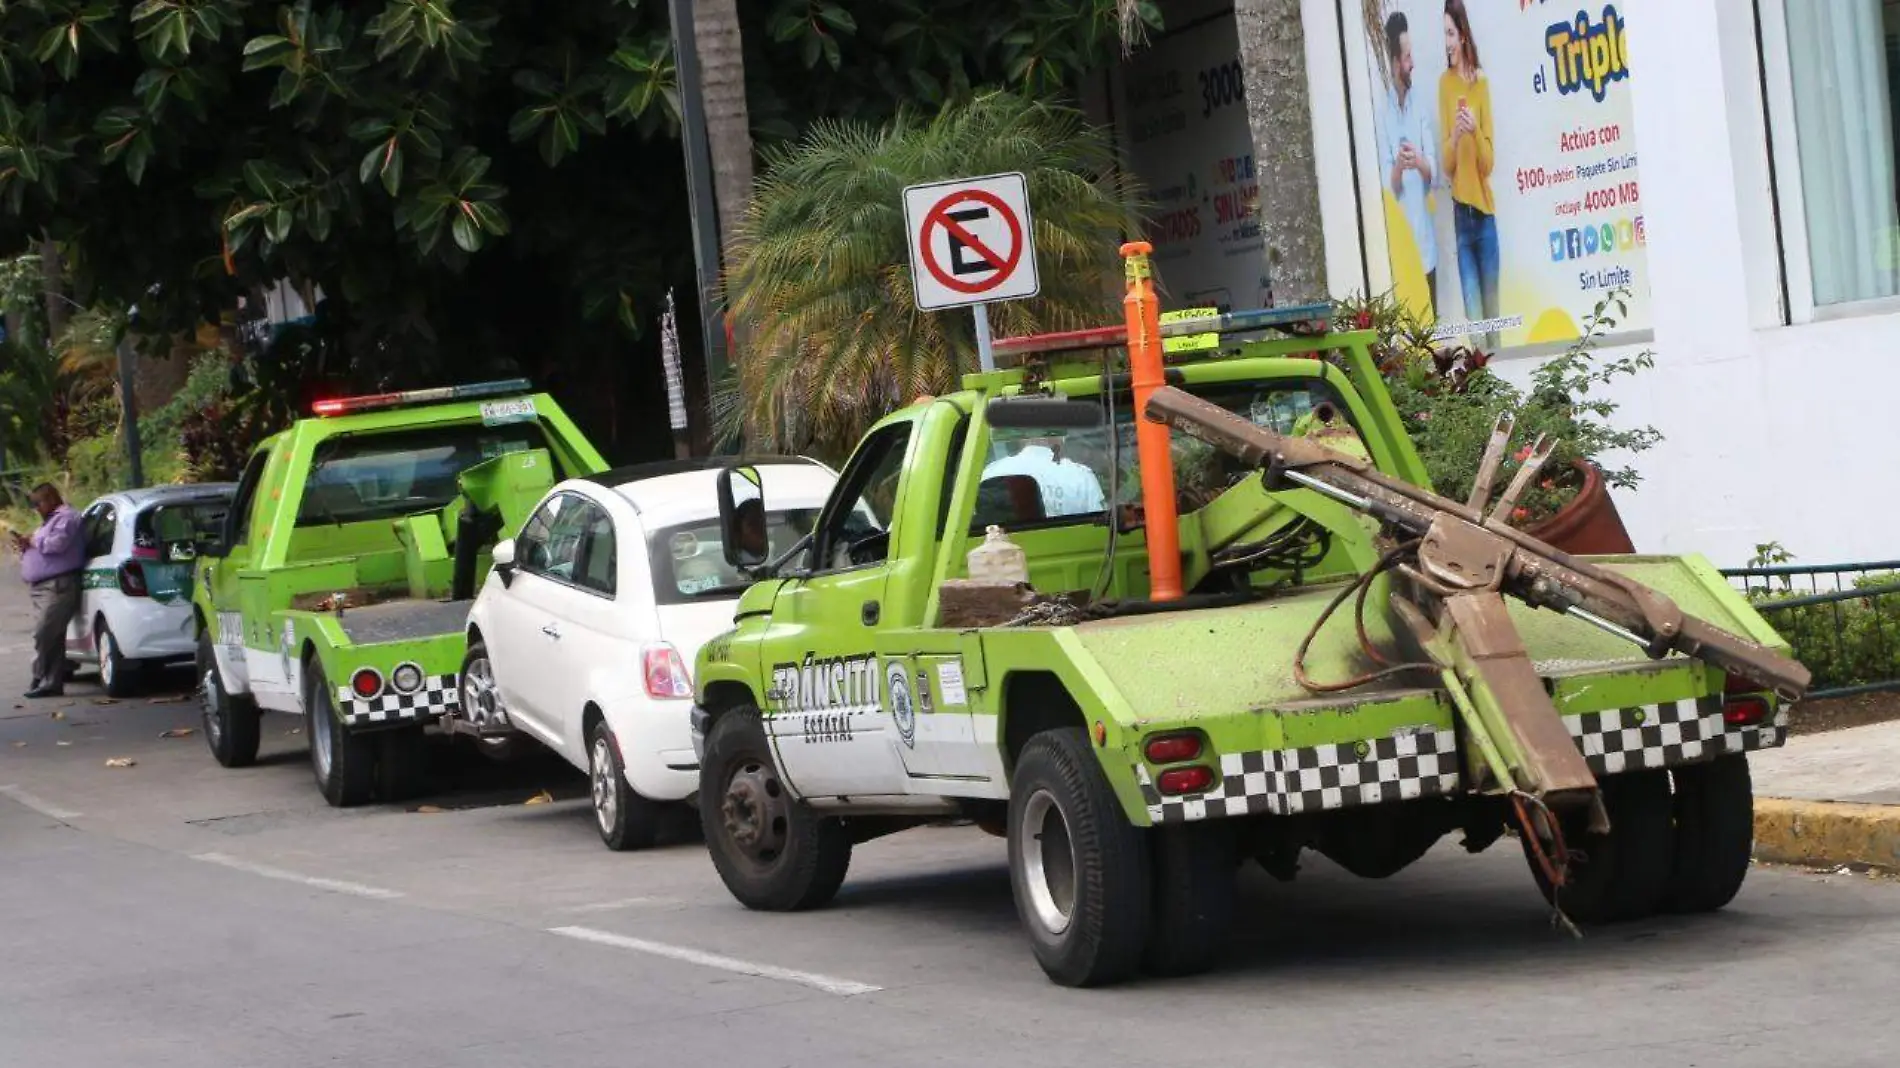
[1279, 782]
[1667, 734]
[439, 696]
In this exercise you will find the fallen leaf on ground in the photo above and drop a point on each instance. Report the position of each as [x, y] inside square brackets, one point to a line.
[120, 762]
[105, 700]
[541, 798]
[19, 745]
[59, 715]
[62, 744]
[430, 808]
[294, 730]
[179, 732]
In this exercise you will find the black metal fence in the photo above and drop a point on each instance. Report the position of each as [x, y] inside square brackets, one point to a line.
[1842, 619]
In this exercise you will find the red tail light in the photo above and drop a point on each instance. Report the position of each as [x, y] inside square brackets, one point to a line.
[665, 672]
[1172, 748]
[132, 579]
[1745, 711]
[366, 683]
[1191, 780]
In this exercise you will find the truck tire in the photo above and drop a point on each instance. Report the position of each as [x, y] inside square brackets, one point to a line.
[232, 725]
[772, 851]
[1622, 875]
[1078, 868]
[402, 764]
[119, 675]
[1194, 890]
[344, 761]
[1715, 833]
[624, 818]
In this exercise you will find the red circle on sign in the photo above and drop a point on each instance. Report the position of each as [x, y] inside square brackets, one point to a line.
[939, 216]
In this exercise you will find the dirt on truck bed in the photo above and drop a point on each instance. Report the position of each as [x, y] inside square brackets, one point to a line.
[400, 620]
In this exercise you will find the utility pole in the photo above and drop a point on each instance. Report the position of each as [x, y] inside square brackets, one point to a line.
[701, 205]
[129, 401]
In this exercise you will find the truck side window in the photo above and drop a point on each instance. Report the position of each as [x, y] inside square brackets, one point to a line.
[246, 497]
[857, 528]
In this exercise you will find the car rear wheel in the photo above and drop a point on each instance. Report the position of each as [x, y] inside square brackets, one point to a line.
[344, 761]
[118, 675]
[771, 850]
[232, 725]
[624, 818]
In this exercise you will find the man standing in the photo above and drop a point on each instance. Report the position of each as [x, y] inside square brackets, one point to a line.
[50, 562]
[1406, 152]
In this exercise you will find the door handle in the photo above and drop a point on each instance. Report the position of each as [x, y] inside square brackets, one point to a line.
[870, 613]
[552, 631]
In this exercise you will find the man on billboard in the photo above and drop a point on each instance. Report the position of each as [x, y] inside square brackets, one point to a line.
[1406, 153]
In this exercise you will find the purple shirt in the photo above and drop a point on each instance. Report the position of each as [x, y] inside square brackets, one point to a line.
[58, 547]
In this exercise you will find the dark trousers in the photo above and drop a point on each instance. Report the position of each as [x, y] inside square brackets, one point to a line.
[55, 601]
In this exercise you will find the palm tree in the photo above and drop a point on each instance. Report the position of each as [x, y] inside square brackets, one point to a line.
[821, 276]
[1280, 116]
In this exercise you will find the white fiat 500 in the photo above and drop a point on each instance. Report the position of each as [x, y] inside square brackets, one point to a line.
[582, 633]
[135, 597]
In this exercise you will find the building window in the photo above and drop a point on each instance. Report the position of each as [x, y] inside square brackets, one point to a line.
[1844, 62]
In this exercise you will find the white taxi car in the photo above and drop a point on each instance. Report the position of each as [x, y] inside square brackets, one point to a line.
[135, 594]
[581, 635]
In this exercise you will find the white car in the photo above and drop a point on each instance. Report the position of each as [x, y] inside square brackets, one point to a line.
[582, 634]
[135, 593]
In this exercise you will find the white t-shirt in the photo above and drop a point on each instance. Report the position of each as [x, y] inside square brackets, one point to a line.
[1068, 488]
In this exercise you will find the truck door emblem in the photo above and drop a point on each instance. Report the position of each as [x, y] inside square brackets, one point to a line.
[901, 709]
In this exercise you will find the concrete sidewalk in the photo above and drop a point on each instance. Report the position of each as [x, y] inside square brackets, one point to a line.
[1830, 799]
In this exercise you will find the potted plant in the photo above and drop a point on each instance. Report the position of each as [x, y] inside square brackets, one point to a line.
[1450, 398]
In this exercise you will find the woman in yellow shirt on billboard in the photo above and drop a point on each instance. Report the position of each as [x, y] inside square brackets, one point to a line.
[1464, 114]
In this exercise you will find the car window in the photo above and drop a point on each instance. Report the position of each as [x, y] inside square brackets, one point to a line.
[598, 558]
[169, 530]
[100, 524]
[550, 542]
[689, 562]
[394, 473]
[860, 534]
[1056, 476]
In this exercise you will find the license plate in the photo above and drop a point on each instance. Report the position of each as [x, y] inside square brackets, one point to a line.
[495, 413]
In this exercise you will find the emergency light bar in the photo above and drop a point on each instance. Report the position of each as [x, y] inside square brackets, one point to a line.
[1110, 336]
[373, 401]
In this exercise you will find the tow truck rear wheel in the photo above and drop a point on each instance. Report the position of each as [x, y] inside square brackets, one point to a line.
[772, 851]
[232, 724]
[1079, 869]
[1715, 833]
[344, 761]
[1622, 875]
[1195, 884]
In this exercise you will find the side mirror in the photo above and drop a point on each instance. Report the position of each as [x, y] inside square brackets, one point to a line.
[504, 556]
[742, 534]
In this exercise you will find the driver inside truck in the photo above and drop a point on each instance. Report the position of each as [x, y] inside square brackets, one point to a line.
[1068, 488]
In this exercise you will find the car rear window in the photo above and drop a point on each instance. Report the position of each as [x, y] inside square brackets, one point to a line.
[689, 561]
[177, 526]
[401, 472]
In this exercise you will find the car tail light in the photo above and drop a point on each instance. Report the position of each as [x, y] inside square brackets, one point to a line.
[1191, 780]
[132, 579]
[366, 683]
[665, 672]
[1745, 711]
[1172, 748]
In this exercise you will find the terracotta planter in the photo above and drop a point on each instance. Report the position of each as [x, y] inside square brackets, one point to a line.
[1589, 525]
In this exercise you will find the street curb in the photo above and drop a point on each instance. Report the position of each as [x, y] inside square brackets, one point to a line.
[1827, 834]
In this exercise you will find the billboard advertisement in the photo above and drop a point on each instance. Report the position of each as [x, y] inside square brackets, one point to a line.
[1507, 164]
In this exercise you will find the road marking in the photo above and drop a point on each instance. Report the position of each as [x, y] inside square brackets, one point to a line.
[841, 987]
[268, 872]
[625, 903]
[39, 805]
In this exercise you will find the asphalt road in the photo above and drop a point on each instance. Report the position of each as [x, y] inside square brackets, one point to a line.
[173, 913]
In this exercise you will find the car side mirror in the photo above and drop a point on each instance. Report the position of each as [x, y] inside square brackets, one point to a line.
[742, 533]
[504, 556]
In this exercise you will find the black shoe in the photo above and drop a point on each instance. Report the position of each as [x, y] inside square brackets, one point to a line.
[46, 691]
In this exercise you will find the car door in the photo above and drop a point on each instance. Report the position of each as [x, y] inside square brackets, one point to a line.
[592, 650]
[99, 579]
[523, 631]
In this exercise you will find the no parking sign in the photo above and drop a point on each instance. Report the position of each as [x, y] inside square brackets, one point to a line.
[972, 241]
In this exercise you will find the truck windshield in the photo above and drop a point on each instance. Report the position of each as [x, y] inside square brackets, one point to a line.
[400, 472]
[689, 561]
[1057, 476]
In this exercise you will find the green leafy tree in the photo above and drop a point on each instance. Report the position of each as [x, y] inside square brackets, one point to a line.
[822, 277]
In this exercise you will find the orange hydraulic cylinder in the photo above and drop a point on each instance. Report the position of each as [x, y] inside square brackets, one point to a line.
[1143, 312]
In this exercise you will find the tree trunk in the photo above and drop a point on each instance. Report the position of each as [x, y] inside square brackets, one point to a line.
[53, 271]
[1280, 115]
[728, 127]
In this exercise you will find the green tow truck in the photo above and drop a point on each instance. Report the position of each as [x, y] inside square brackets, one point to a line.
[340, 585]
[1357, 666]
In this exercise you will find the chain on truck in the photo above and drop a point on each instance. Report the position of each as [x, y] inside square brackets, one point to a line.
[340, 586]
[1248, 629]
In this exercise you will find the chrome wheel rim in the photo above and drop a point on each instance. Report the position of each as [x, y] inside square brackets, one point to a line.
[1049, 867]
[606, 797]
[208, 697]
[106, 650]
[755, 812]
[481, 702]
[320, 728]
